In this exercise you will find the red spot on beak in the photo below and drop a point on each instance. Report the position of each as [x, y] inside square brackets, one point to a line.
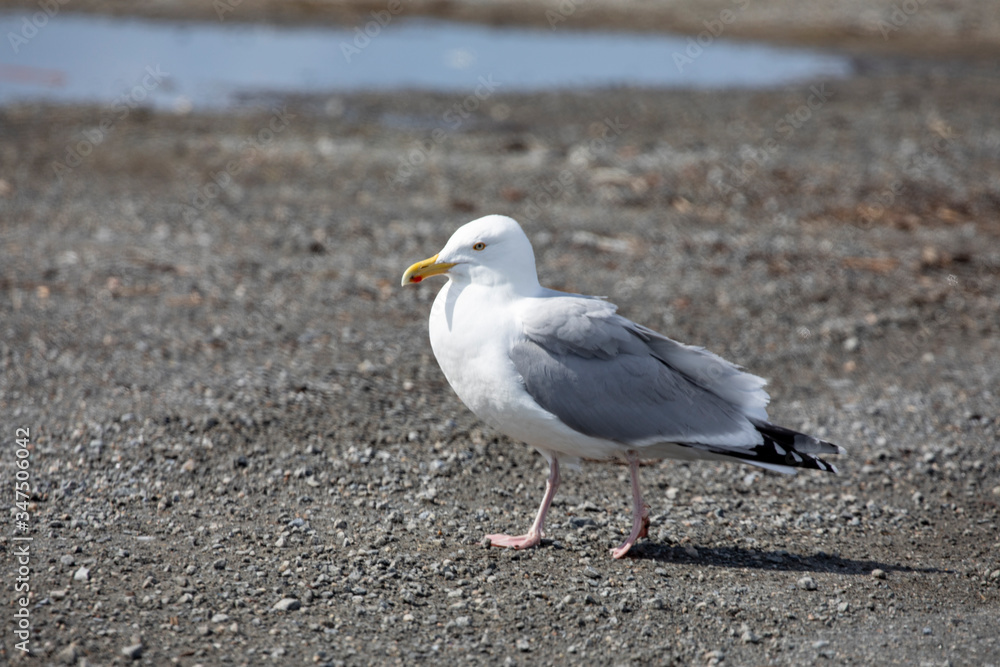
[416, 279]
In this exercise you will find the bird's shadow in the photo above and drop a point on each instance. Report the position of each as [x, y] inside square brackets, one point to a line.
[737, 557]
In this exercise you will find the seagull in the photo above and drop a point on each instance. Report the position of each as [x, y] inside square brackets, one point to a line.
[567, 375]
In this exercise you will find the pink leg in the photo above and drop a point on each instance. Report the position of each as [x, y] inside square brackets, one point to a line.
[535, 534]
[640, 511]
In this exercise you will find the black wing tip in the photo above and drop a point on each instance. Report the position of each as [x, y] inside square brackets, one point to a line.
[783, 446]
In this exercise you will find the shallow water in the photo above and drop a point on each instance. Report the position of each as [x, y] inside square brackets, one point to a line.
[81, 58]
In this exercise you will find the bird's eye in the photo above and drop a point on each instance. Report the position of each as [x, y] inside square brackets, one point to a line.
[479, 246]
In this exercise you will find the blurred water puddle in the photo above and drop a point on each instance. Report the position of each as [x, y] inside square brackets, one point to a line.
[70, 58]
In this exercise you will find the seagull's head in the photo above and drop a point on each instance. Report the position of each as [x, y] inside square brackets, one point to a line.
[492, 251]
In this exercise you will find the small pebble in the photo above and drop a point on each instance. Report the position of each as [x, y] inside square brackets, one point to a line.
[806, 583]
[83, 574]
[878, 574]
[714, 657]
[133, 652]
[523, 645]
[68, 655]
[287, 604]
[748, 636]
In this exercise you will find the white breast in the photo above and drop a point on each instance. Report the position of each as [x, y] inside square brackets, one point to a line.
[471, 343]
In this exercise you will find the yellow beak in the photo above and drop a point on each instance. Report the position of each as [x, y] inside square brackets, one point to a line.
[425, 268]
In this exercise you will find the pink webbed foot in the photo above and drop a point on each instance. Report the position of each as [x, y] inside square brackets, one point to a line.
[534, 535]
[640, 510]
[640, 529]
[622, 550]
[515, 541]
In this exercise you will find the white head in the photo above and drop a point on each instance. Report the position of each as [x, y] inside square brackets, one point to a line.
[492, 251]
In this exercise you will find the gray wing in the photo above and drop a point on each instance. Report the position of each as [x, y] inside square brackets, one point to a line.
[608, 377]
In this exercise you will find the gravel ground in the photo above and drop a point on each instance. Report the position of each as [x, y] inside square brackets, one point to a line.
[242, 450]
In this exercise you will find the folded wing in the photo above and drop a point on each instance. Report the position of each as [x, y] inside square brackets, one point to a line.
[608, 377]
